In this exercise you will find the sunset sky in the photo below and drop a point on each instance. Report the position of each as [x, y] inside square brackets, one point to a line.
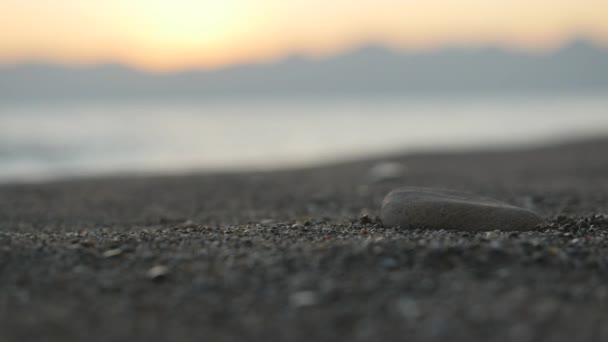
[175, 34]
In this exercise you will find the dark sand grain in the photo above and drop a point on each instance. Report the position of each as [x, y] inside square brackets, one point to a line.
[288, 256]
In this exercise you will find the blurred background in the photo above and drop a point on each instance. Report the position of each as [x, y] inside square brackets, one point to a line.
[102, 87]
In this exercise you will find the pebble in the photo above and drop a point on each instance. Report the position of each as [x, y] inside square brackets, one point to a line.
[110, 253]
[386, 171]
[430, 208]
[157, 272]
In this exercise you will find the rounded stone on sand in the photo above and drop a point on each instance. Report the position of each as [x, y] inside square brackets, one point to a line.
[157, 272]
[413, 207]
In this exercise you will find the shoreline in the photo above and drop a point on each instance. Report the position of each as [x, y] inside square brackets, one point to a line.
[371, 158]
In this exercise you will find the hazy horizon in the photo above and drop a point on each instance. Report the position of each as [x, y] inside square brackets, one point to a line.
[372, 70]
[577, 40]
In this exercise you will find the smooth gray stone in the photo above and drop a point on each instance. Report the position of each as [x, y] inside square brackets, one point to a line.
[413, 207]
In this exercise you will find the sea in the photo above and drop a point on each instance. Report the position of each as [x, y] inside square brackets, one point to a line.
[47, 141]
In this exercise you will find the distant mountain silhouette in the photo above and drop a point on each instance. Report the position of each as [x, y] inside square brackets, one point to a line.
[577, 67]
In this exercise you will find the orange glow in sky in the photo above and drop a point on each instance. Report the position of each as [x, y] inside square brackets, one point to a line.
[175, 34]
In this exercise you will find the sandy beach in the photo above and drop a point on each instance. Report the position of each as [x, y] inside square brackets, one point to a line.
[300, 255]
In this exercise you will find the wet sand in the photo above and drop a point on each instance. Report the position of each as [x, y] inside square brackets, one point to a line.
[290, 256]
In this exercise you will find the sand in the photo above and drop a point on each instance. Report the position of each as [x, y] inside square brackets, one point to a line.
[290, 256]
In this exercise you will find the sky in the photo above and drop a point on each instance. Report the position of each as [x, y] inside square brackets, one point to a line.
[166, 35]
